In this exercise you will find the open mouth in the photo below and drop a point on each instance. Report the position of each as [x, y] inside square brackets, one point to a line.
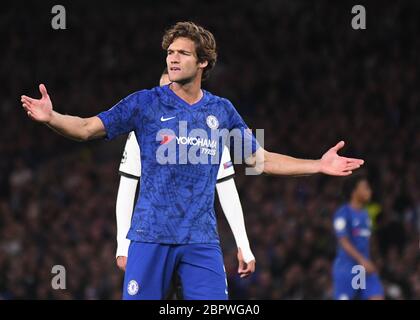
[175, 69]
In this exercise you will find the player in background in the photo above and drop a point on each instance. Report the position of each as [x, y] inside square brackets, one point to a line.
[130, 172]
[352, 226]
[176, 230]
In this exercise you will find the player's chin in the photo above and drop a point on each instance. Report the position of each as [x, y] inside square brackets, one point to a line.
[181, 79]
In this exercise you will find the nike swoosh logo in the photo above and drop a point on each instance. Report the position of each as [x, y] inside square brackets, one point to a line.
[166, 119]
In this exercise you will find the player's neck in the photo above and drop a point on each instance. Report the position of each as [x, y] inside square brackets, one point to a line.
[189, 92]
[356, 204]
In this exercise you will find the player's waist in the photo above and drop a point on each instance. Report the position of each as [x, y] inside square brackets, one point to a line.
[188, 238]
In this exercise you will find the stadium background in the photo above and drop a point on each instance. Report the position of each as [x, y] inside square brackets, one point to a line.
[295, 68]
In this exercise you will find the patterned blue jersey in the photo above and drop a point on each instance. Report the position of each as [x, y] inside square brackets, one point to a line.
[181, 146]
[356, 226]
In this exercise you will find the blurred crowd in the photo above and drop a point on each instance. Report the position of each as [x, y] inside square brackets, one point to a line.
[295, 69]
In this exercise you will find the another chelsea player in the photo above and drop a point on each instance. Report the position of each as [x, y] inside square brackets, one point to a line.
[353, 229]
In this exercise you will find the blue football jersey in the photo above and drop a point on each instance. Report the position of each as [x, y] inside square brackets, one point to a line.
[356, 226]
[181, 146]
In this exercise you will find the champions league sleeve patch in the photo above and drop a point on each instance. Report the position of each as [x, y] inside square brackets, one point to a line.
[339, 224]
[227, 165]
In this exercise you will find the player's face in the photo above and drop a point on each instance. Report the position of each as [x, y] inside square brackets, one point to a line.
[182, 61]
[164, 80]
[363, 191]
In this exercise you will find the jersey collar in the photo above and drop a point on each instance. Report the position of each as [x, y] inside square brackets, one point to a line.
[181, 102]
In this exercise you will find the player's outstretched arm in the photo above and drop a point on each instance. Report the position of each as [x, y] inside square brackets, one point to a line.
[231, 205]
[76, 128]
[330, 163]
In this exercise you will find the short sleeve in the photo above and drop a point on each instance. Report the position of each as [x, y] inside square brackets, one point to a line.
[242, 141]
[130, 162]
[124, 116]
[226, 168]
[341, 223]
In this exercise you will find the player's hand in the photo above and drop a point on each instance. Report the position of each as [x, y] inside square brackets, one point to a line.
[333, 164]
[40, 110]
[368, 265]
[121, 262]
[245, 269]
